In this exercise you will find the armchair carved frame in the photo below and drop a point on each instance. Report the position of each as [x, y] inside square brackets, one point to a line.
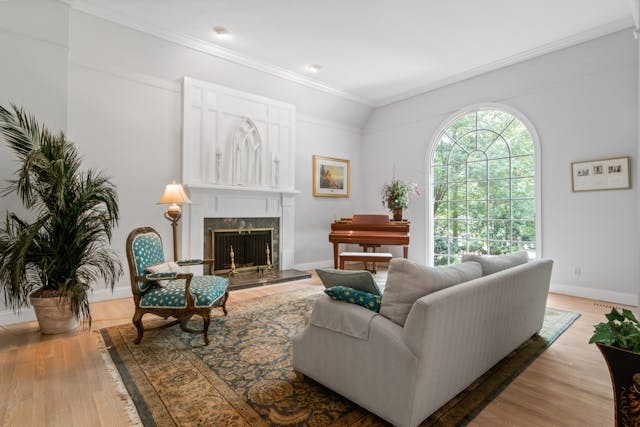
[181, 314]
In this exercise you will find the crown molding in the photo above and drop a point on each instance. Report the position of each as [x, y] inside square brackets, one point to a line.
[209, 48]
[27, 36]
[564, 43]
[230, 55]
[635, 12]
[145, 79]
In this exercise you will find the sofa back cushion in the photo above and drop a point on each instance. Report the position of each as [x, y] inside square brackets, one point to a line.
[361, 280]
[408, 281]
[494, 263]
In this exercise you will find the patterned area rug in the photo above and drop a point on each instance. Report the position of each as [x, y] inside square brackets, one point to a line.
[244, 376]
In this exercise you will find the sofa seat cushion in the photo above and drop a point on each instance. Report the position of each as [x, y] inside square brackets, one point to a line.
[361, 280]
[343, 318]
[495, 263]
[408, 281]
[206, 291]
[354, 296]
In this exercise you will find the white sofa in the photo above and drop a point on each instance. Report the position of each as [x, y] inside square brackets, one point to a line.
[450, 338]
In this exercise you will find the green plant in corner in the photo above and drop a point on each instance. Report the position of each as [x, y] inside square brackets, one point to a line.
[64, 249]
[622, 330]
[618, 340]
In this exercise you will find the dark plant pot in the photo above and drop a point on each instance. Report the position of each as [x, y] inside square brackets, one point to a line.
[397, 214]
[624, 368]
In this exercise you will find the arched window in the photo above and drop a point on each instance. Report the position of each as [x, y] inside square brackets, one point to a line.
[483, 181]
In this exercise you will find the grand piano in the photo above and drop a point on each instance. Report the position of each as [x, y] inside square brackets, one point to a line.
[368, 231]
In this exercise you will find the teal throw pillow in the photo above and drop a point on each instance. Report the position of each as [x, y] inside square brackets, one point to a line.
[361, 280]
[354, 296]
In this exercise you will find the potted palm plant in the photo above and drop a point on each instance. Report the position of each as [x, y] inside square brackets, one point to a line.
[397, 194]
[619, 342]
[52, 259]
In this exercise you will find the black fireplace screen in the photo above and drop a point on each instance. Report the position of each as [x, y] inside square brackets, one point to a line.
[249, 248]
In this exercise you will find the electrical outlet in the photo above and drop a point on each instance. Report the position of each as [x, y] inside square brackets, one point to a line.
[576, 271]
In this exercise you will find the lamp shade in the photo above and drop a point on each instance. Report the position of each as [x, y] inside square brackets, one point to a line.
[174, 195]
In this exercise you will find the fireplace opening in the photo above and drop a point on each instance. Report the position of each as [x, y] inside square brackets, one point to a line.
[250, 237]
[241, 249]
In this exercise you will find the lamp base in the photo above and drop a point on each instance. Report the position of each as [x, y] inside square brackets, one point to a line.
[173, 214]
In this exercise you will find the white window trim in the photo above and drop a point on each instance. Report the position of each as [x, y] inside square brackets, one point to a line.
[537, 158]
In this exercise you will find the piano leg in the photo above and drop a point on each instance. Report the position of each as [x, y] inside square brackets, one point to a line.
[336, 250]
[405, 252]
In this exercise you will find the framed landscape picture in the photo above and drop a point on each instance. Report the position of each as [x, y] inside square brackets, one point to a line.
[331, 177]
[604, 174]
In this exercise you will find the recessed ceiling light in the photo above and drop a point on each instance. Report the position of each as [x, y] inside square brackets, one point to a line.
[313, 68]
[221, 32]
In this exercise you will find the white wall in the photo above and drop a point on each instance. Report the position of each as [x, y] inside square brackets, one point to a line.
[315, 214]
[118, 96]
[116, 91]
[583, 102]
[33, 45]
[33, 74]
[124, 110]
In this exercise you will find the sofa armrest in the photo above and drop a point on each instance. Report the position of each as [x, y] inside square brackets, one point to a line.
[344, 318]
[377, 372]
[459, 332]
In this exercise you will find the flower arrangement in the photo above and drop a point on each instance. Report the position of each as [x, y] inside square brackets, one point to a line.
[398, 193]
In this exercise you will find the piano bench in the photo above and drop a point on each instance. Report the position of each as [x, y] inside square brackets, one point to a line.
[364, 257]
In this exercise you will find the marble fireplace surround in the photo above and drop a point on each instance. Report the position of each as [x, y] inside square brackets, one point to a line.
[212, 201]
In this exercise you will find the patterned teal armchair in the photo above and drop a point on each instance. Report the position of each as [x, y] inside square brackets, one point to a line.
[164, 289]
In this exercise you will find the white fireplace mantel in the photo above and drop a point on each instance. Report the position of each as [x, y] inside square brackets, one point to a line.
[238, 161]
[223, 188]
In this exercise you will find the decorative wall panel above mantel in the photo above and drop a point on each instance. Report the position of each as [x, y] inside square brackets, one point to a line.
[234, 138]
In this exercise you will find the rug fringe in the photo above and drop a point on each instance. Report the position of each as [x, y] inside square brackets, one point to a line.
[110, 367]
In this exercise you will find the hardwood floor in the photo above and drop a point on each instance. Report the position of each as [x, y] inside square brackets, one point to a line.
[62, 380]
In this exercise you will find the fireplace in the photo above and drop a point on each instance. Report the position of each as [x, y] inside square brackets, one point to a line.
[227, 212]
[249, 238]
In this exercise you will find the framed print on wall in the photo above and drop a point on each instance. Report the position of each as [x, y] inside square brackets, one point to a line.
[331, 177]
[603, 174]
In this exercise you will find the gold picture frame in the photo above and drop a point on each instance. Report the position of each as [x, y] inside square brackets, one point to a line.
[603, 174]
[331, 177]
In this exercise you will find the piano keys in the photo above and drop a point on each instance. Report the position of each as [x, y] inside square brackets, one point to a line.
[369, 231]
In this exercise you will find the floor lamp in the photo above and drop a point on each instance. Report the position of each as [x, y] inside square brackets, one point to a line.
[174, 196]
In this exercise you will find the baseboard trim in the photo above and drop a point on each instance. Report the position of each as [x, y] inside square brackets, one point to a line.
[593, 293]
[8, 317]
[328, 263]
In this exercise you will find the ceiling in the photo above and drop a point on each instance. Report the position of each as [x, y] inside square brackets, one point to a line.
[374, 51]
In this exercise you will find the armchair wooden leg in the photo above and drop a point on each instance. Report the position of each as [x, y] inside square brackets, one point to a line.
[206, 319]
[137, 321]
[224, 303]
